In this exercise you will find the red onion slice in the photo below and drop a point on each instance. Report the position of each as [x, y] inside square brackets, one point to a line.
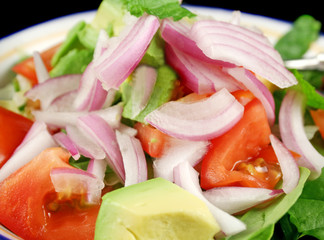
[187, 177]
[65, 141]
[47, 91]
[291, 124]
[241, 50]
[91, 96]
[288, 165]
[77, 181]
[133, 158]
[177, 35]
[176, 152]
[201, 77]
[97, 167]
[61, 119]
[63, 103]
[85, 145]
[125, 52]
[239, 32]
[236, 199]
[38, 139]
[258, 89]
[201, 120]
[100, 131]
[143, 82]
[40, 68]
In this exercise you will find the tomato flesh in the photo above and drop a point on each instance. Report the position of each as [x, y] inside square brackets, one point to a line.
[153, 140]
[14, 127]
[30, 207]
[318, 117]
[241, 143]
[27, 66]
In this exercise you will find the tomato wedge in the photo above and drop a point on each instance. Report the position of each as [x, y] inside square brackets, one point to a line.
[27, 66]
[318, 117]
[14, 127]
[240, 144]
[152, 139]
[30, 207]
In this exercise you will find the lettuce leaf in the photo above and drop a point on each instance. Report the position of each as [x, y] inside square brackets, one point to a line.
[307, 214]
[159, 8]
[295, 43]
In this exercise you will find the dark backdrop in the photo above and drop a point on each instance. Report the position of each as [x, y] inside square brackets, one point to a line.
[17, 15]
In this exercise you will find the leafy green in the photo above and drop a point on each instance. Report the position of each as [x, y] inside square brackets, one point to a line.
[159, 8]
[308, 217]
[154, 55]
[71, 41]
[260, 222]
[81, 163]
[74, 62]
[296, 42]
[314, 99]
[162, 93]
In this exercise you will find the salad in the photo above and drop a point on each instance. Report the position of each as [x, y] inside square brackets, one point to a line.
[149, 91]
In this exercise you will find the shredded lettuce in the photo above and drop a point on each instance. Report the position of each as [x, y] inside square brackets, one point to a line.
[159, 8]
[295, 43]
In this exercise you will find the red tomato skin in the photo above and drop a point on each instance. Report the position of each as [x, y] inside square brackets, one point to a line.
[23, 198]
[14, 127]
[240, 143]
[27, 66]
[152, 140]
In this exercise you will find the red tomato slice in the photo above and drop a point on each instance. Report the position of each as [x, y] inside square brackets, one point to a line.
[27, 67]
[30, 207]
[239, 144]
[152, 140]
[14, 127]
[318, 117]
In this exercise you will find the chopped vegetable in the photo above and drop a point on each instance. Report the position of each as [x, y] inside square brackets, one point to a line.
[14, 129]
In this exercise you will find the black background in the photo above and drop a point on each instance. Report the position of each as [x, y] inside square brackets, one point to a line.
[17, 14]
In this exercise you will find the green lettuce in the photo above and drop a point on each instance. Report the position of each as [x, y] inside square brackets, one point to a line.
[159, 8]
[295, 43]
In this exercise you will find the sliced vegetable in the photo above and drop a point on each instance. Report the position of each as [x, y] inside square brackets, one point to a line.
[242, 47]
[37, 139]
[257, 88]
[125, 52]
[134, 160]
[201, 77]
[66, 142]
[318, 117]
[153, 140]
[288, 165]
[176, 152]
[13, 130]
[291, 123]
[102, 133]
[237, 199]
[30, 207]
[69, 181]
[48, 91]
[206, 119]
[234, 148]
[27, 67]
[187, 177]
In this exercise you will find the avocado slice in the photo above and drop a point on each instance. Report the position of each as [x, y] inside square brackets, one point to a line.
[154, 210]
